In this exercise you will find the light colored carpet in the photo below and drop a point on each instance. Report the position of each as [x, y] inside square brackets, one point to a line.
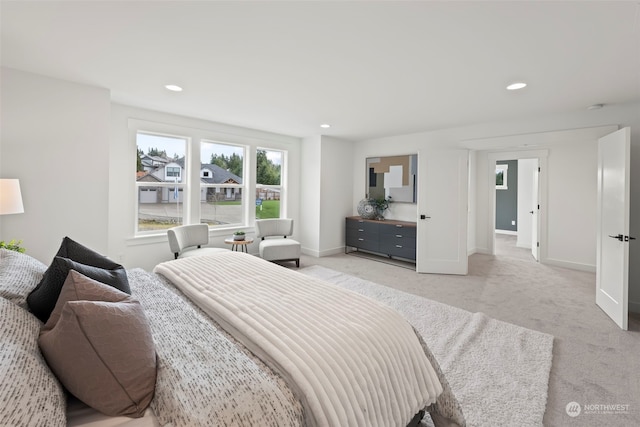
[498, 371]
[594, 362]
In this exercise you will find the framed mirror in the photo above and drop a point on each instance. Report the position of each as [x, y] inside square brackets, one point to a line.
[392, 176]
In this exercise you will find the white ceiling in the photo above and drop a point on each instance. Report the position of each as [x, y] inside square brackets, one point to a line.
[368, 68]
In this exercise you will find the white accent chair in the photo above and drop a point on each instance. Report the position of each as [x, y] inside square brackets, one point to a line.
[187, 240]
[280, 248]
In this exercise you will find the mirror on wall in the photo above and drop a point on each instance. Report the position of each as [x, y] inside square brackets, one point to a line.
[392, 176]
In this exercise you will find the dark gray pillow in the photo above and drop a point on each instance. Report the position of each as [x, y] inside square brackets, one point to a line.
[43, 298]
[82, 254]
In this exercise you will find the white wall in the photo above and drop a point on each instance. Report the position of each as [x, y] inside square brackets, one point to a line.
[310, 197]
[55, 139]
[572, 200]
[471, 226]
[326, 199]
[335, 193]
[146, 252]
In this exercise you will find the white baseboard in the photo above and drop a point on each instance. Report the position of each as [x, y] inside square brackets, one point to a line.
[319, 254]
[334, 251]
[310, 252]
[484, 251]
[571, 265]
[509, 232]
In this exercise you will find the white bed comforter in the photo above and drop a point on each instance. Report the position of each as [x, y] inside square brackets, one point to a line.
[351, 360]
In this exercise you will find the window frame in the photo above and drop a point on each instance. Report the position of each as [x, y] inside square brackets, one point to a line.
[182, 182]
[280, 187]
[244, 220]
[195, 133]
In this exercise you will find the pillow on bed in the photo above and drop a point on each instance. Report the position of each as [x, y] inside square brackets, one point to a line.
[98, 343]
[73, 255]
[30, 395]
[19, 275]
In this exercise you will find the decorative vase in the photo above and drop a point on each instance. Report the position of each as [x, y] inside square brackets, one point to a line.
[238, 237]
[367, 209]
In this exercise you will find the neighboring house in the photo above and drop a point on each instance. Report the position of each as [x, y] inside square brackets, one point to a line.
[268, 194]
[173, 171]
[214, 174]
[149, 163]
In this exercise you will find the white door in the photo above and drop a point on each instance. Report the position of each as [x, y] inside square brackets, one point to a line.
[612, 263]
[442, 212]
[535, 214]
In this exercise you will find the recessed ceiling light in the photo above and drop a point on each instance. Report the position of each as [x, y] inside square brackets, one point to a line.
[595, 107]
[174, 88]
[516, 86]
[325, 126]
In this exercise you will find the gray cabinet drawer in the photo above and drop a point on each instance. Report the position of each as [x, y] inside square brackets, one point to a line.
[362, 240]
[400, 247]
[362, 226]
[397, 229]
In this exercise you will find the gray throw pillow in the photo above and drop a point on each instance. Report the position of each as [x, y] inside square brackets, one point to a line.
[30, 395]
[98, 343]
[73, 255]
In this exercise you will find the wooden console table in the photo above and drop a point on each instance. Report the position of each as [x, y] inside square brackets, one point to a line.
[387, 237]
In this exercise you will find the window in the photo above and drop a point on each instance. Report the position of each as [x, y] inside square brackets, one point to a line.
[268, 183]
[158, 181]
[501, 177]
[222, 184]
[173, 171]
[188, 176]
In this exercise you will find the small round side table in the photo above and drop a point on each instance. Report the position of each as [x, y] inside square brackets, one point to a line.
[242, 244]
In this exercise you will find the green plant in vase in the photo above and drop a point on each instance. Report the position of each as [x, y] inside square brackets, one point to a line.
[238, 235]
[382, 205]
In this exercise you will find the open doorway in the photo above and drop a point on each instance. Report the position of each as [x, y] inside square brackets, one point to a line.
[516, 200]
[521, 232]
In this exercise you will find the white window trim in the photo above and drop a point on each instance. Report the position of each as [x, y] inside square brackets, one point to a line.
[195, 135]
[283, 179]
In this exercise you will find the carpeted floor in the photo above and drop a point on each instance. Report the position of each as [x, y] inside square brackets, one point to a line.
[486, 361]
[594, 363]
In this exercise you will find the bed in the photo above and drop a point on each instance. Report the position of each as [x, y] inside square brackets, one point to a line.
[211, 369]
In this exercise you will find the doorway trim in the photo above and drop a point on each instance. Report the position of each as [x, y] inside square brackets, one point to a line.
[542, 156]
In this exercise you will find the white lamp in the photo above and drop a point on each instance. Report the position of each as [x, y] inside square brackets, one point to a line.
[10, 197]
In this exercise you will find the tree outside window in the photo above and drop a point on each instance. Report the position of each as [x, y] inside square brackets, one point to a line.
[268, 183]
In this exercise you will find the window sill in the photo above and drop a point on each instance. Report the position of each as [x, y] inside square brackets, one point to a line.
[161, 237]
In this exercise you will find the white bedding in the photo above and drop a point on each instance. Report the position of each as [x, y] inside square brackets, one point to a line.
[351, 360]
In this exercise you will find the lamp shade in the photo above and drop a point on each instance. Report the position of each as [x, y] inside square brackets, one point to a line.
[10, 197]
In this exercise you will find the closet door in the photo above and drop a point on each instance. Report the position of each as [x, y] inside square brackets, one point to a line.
[442, 212]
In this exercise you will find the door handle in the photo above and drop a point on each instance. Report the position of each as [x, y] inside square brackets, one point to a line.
[619, 237]
[627, 238]
[424, 217]
[531, 212]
